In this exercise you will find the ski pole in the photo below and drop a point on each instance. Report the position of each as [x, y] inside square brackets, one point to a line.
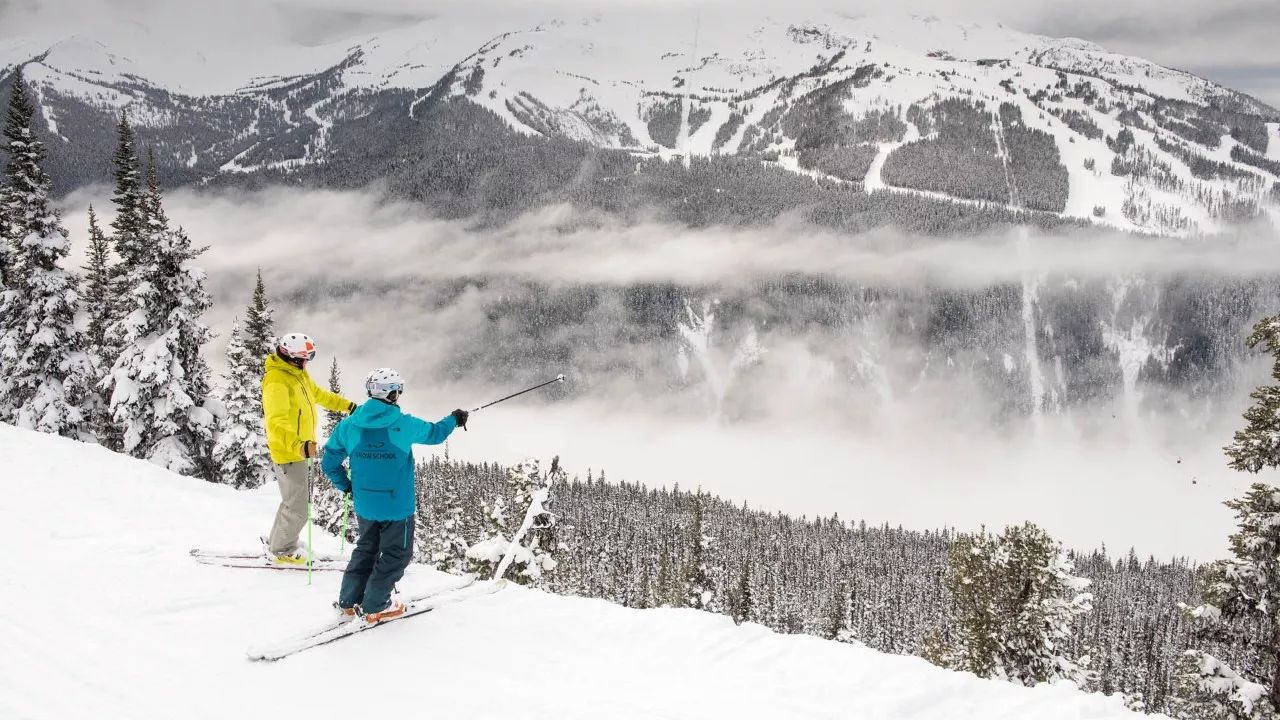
[342, 542]
[309, 560]
[559, 379]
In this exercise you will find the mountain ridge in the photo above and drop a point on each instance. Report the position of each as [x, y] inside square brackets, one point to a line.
[960, 113]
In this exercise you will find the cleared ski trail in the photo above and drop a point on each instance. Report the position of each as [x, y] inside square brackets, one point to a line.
[109, 616]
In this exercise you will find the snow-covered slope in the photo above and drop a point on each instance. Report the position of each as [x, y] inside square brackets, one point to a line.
[108, 614]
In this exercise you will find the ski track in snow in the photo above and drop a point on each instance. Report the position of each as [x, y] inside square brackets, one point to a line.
[1015, 200]
[321, 138]
[875, 181]
[875, 174]
[682, 136]
[137, 629]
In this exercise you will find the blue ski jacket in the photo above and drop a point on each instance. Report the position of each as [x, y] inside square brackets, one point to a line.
[376, 441]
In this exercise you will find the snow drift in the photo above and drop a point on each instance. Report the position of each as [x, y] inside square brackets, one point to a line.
[108, 615]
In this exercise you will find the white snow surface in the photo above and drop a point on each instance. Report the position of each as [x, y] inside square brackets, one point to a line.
[109, 613]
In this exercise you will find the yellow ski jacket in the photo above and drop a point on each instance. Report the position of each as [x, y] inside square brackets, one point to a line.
[289, 398]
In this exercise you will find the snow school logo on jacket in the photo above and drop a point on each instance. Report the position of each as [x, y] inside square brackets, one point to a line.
[374, 451]
[377, 443]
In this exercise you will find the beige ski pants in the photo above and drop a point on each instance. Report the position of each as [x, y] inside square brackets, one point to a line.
[292, 515]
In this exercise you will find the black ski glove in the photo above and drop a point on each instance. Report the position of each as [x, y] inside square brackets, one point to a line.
[460, 417]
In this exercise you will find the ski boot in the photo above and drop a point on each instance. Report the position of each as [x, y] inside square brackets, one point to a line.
[394, 610]
[293, 559]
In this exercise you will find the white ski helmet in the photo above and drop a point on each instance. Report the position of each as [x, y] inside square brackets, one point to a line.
[383, 383]
[297, 346]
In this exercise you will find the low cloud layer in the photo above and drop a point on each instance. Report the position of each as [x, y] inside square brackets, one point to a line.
[337, 235]
[1099, 475]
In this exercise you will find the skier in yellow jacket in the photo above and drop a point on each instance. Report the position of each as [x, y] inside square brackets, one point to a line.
[289, 399]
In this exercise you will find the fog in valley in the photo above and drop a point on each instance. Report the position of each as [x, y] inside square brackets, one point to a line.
[1082, 381]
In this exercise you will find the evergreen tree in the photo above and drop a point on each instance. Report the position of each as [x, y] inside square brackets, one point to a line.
[124, 277]
[701, 580]
[532, 547]
[97, 285]
[240, 453]
[837, 626]
[742, 601]
[98, 304]
[45, 376]
[535, 541]
[447, 548]
[1016, 599]
[329, 505]
[1257, 446]
[159, 382]
[128, 224]
[259, 328]
[1242, 594]
[331, 418]
[484, 555]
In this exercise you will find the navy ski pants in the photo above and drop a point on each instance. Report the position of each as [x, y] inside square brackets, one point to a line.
[377, 563]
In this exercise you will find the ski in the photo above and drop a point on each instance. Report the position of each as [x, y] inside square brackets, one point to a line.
[344, 627]
[249, 554]
[300, 640]
[261, 563]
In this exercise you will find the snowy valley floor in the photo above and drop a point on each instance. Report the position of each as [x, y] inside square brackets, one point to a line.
[107, 616]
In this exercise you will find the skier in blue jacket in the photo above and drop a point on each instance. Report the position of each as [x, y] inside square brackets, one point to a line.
[376, 441]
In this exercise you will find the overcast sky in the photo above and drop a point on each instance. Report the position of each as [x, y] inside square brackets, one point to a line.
[1229, 41]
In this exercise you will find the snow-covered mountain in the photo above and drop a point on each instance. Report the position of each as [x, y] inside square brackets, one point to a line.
[110, 615]
[968, 114]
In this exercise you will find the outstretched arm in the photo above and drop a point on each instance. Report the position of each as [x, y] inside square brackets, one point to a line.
[426, 433]
[334, 453]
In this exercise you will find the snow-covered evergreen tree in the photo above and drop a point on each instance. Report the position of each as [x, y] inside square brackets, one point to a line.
[446, 548]
[329, 505]
[535, 542]
[1016, 599]
[97, 285]
[260, 334]
[484, 555]
[241, 450]
[702, 579]
[331, 418]
[98, 303]
[838, 612]
[128, 226]
[532, 547]
[1257, 446]
[1210, 689]
[126, 240]
[1242, 594]
[743, 605]
[159, 382]
[44, 372]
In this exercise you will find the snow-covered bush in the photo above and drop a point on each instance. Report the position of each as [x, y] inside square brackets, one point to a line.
[1016, 600]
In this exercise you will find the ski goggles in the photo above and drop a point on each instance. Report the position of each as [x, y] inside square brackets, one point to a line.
[309, 354]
